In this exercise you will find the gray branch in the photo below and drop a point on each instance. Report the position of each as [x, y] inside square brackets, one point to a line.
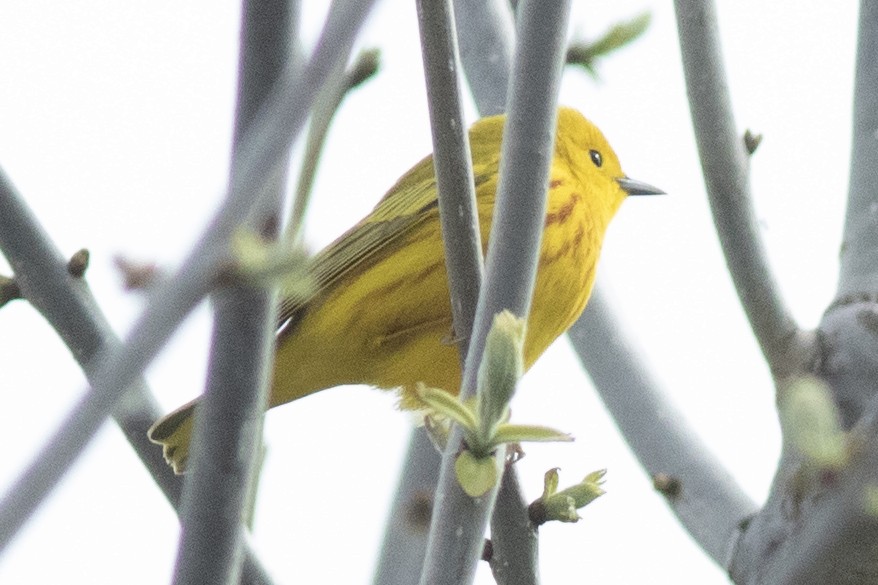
[225, 438]
[514, 539]
[486, 30]
[405, 538]
[456, 535]
[338, 84]
[70, 308]
[453, 166]
[405, 541]
[404, 548]
[68, 305]
[590, 340]
[266, 145]
[858, 275]
[725, 165]
[525, 158]
[487, 34]
[229, 420]
[820, 526]
[859, 249]
[708, 502]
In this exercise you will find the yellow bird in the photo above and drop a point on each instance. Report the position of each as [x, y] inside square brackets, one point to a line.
[380, 312]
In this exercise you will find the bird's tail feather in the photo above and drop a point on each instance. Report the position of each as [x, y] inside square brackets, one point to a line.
[173, 432]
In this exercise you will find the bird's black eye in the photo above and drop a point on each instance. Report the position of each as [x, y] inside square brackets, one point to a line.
[596, 158]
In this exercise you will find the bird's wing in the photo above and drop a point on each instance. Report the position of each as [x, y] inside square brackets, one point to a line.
[399, 211]
[405, 205]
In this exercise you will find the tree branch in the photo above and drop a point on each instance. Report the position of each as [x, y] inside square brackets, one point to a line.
[818, 526]
[68, 305]
[724, 161]
[225, 438]
[405, 538]
[229, 419]
[404, 548]
[276, 127]
[486, 30]
[463, 259]
[708, 503]
[459, 522]
[487, 34]
[70, 308]
[453, 166]
[405, 545]
[821, 526]
[515, 542]
[859, 249]
[338, 84]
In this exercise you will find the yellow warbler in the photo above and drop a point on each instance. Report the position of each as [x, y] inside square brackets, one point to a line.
[380, 313]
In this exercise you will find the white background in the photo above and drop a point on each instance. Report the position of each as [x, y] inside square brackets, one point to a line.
[115, 121]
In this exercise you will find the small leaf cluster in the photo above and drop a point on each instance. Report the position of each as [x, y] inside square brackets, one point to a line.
[485, 420]
[562, 505]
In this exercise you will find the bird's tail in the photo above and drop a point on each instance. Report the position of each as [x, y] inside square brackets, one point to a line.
[173, 432]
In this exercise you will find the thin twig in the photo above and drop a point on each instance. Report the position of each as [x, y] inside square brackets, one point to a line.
[338, 84]
[463, 258]
[724, 162]
[456, 535]
[404, 546]
[276, 127]
[453, 166]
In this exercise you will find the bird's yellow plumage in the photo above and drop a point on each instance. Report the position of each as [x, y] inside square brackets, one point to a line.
[380, 312]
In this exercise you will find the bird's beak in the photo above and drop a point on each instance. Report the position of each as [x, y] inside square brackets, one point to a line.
[633, 187]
